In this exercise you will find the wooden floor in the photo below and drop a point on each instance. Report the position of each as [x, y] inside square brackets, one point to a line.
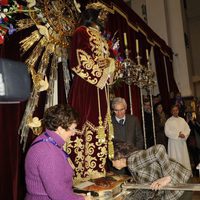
[196, 195]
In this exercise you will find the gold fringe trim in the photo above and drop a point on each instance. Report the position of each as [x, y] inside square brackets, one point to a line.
[29, 41]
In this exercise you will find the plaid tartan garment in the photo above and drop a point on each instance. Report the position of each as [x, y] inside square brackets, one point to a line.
[149, 165]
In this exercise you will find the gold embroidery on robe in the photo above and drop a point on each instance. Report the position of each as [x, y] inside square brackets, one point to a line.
[88, 67]
[86, 155]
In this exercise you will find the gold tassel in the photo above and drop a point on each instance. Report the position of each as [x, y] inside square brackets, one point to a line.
[101, 130]
[109, 120]
[110, 127]
[111, 130]
[110, 150]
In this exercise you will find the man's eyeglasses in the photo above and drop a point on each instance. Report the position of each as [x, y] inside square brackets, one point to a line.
[120, 110]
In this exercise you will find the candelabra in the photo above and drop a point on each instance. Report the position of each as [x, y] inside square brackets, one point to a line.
[145, 80]
[141, 82]
[129, 75]
[142, 76]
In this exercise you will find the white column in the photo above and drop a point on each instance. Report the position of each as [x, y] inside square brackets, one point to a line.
[193, 17]
[181, 61]
[167, 19]
[156, 17]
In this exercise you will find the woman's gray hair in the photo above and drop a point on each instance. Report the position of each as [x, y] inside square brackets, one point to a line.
[119, 100]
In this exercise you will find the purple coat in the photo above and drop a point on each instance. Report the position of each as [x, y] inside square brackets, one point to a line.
[48, 173]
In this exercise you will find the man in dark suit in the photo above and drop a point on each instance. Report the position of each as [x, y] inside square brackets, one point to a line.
[126, 127]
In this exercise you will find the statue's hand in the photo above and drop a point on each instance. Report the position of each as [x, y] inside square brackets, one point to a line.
[103, 62]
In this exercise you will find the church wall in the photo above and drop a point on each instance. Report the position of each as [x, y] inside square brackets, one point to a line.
[166, 18]
[193, 19]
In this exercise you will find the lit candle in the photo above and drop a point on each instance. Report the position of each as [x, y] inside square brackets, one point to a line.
[125, 40]
[147, 54]
[137, 46]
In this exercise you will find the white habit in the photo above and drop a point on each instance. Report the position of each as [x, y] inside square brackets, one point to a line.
[177, 147]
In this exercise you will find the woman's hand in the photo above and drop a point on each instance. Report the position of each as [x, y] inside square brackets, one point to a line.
[160, 183]
[89, 197]
[119, 164]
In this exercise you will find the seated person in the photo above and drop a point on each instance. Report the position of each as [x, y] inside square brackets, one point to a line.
[151, 166]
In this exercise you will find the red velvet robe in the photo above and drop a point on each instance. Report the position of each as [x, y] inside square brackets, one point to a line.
[87, 47]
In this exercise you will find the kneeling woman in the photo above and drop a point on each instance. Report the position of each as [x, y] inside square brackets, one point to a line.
[151, 166]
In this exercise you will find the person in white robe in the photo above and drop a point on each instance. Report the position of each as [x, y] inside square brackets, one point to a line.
[177, 131]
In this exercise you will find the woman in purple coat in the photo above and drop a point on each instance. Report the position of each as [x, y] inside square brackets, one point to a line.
[48, 167]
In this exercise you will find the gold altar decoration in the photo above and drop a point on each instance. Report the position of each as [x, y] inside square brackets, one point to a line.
[51, 24]
[35, 124]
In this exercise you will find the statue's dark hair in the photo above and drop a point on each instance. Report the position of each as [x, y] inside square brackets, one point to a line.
[89, 17]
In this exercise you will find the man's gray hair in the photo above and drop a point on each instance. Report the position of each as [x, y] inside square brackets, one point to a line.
[119, 100]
